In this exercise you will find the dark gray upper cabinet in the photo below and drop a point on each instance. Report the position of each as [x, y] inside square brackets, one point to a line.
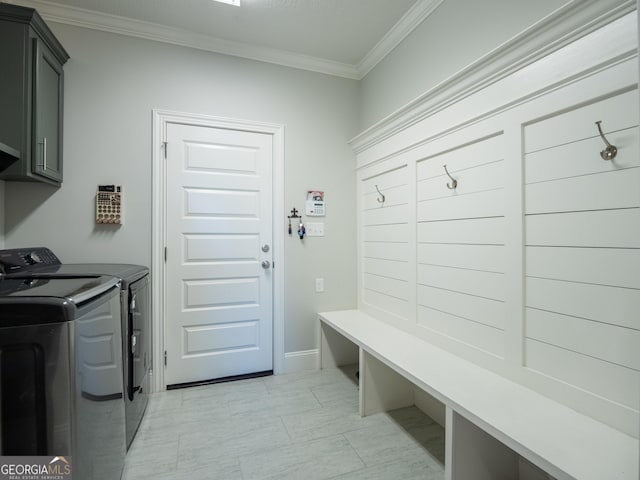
[31, 95]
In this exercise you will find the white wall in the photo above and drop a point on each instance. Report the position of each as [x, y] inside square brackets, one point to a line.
[113, 82]
[456, 34]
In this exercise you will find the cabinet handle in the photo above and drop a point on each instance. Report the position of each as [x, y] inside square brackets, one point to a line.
[44, 152]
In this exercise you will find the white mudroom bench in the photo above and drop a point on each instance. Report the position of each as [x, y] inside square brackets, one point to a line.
[491, 422]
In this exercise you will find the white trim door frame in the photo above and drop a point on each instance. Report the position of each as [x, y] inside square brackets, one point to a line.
[161, 118]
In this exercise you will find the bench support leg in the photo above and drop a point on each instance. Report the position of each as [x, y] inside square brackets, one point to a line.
[473, 454]
[381, 388]
[335, 349]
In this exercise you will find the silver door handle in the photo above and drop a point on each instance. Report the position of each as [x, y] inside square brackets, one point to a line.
[266, 264]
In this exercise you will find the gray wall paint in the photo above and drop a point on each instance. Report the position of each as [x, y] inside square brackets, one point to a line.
[456, 34]
[113, 82]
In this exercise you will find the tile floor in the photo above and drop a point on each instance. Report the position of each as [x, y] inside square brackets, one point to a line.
[298, 426]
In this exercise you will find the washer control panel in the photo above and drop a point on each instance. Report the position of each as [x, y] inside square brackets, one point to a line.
[19, 260]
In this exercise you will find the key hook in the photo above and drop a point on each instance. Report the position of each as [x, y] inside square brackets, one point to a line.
[610, 152]
[381, 198]
[454, 182]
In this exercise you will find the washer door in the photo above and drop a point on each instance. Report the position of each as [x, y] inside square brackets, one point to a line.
[35, 408]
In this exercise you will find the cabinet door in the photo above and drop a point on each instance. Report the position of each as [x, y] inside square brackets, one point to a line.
[47, 114]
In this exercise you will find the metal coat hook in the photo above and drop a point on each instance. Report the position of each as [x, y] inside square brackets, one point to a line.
[381, 198]
[610, 152]
[454, 182]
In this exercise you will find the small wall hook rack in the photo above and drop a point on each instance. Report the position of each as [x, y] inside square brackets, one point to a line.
[610, 151]
[294, 214]
[381, 198]
[454, 182]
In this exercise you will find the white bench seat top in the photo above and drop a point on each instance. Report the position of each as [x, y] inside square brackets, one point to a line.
[552, 435]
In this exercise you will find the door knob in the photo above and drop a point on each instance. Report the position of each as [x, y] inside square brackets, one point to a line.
[266, 264]
[265, 248]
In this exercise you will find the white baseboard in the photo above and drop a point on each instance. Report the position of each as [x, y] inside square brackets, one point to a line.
[301, 361]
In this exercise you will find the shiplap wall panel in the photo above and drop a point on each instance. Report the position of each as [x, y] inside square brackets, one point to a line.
[387, 303]
[471, 231]
[473, 282]
[386, 250]
[462, 157]
[479, 309]
[385, 180]
[387, 215]
[394, 196]
[384, 266]
[488, 258]
[582, 248]
[460, 238]
[396, 233]
[603, 228]
[582, 158]
[464, 330]
[617, 112]
[617, 189]
[616, 267]
[601, 303]
[479, 178]
[386, 286]
[605, 379]
[475, 205]
[599, 340]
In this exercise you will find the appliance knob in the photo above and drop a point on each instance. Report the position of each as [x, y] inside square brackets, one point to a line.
[32, 258]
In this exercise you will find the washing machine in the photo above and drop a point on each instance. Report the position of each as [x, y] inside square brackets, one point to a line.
[61, 368]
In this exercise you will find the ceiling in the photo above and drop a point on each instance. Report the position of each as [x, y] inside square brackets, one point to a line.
[339, 37]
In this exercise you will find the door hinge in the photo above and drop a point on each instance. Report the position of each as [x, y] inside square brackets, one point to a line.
[165, 254]
[165, 358]
[165, 149]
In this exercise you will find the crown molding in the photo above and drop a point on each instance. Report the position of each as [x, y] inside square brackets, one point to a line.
[414, 17]
[80, 17]
[567, 24]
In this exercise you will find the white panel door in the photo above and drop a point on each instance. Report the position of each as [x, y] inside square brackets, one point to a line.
[219, 236]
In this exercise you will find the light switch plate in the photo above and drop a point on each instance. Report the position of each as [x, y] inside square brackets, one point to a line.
[315, 229]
